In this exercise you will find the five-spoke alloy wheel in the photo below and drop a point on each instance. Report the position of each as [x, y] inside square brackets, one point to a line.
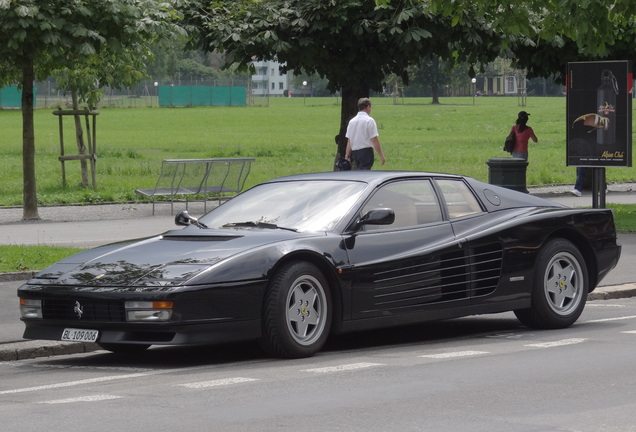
[561, 287]
[297, 311]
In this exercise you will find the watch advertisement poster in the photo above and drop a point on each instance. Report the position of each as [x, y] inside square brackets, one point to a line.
[599, 114]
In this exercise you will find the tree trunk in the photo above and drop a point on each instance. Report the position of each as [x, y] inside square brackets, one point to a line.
[29, 194]
[79, 137]
[348, 110]
[435, 94]
[435, 81]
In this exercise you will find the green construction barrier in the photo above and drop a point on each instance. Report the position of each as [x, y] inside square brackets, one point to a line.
[11, 97]
[202, 96]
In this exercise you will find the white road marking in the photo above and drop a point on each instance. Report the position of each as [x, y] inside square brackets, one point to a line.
[346, 367]
[73, 383]
[217, 383]
[629, 332]
[563, 342]
[94, 380]
[603, 305]
[95, 398]
[455, 354]
[612, 319]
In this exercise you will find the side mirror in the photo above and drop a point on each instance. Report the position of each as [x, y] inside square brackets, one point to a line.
[184, 219]
[380, 216]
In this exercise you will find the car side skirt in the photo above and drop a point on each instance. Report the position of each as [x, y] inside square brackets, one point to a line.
[430, 315]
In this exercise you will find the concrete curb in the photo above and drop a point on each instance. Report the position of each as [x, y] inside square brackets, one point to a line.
[40, 348]
[16, 276]
[613, 292]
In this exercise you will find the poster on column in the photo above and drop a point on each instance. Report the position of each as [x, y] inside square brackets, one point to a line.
[599, 114]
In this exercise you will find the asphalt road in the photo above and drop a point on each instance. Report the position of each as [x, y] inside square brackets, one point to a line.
[472, 374]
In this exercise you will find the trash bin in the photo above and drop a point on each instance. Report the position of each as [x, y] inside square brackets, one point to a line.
[508, 172]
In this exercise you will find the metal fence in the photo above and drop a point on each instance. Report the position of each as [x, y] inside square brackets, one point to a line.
[144, 95]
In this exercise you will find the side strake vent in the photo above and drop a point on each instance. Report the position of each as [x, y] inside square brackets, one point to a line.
[486, 268]
[456, 275]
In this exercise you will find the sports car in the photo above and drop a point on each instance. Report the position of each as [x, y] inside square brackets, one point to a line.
[295, 259]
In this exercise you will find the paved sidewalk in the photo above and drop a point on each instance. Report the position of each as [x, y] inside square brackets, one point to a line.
[94, 225]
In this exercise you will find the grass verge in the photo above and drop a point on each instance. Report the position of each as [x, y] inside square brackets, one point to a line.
[14, 258]
[625, 217]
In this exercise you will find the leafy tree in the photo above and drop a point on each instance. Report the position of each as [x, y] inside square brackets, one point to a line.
[542, 36]
[354, 44]
[83, 36]
[432, 74]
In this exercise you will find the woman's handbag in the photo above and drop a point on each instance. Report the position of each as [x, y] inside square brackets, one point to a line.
[510, 142]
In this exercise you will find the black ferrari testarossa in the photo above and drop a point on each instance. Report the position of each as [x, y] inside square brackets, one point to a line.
[294, 259]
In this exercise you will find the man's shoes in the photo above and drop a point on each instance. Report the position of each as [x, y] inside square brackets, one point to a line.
[575, 192]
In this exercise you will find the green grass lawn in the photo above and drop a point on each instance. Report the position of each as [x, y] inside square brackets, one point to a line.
[16, 258]
[288, 136]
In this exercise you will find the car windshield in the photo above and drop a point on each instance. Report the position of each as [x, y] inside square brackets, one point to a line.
[315, 205]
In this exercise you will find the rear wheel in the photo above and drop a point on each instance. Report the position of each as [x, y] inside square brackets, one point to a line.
[561, 287]
[297, 312]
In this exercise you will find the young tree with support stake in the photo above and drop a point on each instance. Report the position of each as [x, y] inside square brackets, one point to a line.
[37, 38]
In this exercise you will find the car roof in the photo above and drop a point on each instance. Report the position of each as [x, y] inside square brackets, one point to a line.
[506, 198]
[365, 176]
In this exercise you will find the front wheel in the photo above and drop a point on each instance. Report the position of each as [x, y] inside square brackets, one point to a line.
[297, 312]
[560, 289]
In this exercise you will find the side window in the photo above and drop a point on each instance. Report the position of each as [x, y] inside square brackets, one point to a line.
[413, 201]
[459, 199]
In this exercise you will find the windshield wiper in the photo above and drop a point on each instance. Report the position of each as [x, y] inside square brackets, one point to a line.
[257, 225]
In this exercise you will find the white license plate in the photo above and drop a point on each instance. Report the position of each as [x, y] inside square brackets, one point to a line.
[79, 335]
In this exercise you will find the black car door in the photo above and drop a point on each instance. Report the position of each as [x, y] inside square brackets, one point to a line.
[412, 265]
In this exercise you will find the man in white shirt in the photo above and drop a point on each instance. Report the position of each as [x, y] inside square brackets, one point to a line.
[362, 138]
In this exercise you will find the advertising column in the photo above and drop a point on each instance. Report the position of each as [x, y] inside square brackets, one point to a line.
[599, 117]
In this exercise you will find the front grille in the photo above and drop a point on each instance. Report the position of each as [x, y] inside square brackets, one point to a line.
[92, 310]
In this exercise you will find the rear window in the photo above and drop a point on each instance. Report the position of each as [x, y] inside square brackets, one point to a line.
[460, 200]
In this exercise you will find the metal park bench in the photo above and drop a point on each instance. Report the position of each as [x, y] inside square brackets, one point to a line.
[205, 177]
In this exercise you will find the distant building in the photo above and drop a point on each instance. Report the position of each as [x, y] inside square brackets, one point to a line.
[508, 83]
[269, 80]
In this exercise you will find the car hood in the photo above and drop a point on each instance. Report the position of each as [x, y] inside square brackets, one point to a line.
[166, 260]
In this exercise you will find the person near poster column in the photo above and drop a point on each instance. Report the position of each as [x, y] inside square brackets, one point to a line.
[523, 134]
[581, 173]
[581, 177]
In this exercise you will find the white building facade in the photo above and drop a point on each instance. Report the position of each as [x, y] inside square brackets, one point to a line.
[269, 80]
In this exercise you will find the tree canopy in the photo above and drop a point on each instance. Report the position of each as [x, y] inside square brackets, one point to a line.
[594, 25]
[97, 37]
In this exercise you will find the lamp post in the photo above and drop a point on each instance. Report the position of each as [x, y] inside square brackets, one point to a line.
[156, 93]
[474, 80]
[304, 92]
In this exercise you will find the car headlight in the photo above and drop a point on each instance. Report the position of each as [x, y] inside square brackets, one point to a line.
[148, 310]
[30, 308]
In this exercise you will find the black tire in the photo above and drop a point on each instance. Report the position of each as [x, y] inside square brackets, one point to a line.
[297, 312]
[560, 288]
[124, 349]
